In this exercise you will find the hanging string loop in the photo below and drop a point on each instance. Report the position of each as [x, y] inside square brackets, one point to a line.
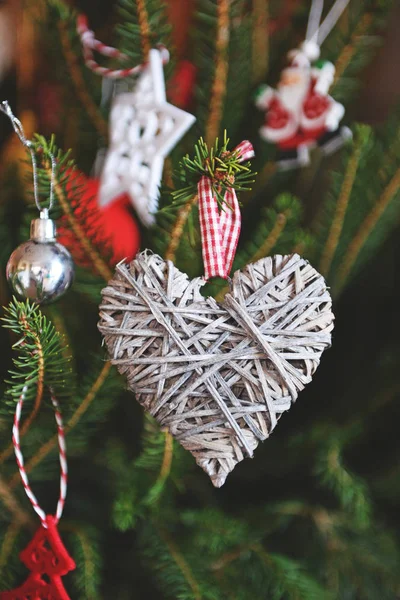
[90, 45]
[62, 455]
[317, 32]
[29, 144]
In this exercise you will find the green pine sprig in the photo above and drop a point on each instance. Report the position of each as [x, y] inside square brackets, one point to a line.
[41, 354]
[222, 166]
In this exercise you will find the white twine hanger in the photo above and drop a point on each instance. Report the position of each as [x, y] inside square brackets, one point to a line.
[317, 32]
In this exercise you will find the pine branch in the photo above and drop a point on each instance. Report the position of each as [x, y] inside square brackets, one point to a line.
[153, 472]
[8, 543]
[260, 51]
[12, 536]
[225, 170]
[39, 367]
[65, 51]
[216, 534]
[359, 210]
[238, 91]
[41, 361]
[350, 490]
[84, 220]
[178, 228]
[99, 265]
[156, 490]
[63, 177]
[348, 52]
[343, 200]
[81, 90]
[388, 196]
[12, 505]
[289, 579]
[86, 552]
[204, 52]
[75, 418]
[361, 561]
[278, 232]
[143, 25]
[351, 47]
[267, 172]
[170, 566]
[223, 167]
[364, 564]
[218, 89]
[228, 547]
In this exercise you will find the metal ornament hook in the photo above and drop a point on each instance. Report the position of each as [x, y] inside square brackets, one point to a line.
[29, 144]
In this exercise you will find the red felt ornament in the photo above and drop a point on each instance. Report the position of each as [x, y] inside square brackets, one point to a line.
[37, 588]
[45, 556]
[112, 229]
[46, 553]
[181, 86]
[300, 113]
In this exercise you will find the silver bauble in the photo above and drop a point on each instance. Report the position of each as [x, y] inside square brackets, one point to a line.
[40, 269]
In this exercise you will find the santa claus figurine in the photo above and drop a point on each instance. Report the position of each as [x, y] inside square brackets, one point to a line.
[300, 113]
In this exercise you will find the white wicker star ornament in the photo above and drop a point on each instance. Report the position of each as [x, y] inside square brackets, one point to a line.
[144, 128]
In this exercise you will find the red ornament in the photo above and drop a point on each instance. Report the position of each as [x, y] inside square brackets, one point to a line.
[47, 559]
[300, 114]
[46, 553]
[112, 230]
[181, 85]
[36, 588]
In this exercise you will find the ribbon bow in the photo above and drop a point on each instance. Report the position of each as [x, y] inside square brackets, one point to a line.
[220, 231]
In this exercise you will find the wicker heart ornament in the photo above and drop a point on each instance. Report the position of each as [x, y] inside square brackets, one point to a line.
[217, 375]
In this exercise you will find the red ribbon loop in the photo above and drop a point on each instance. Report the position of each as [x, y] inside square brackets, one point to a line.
[220, 231]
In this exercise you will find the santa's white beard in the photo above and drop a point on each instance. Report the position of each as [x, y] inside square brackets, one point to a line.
[292, 95]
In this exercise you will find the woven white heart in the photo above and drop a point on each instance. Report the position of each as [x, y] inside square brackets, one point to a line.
[217, 376]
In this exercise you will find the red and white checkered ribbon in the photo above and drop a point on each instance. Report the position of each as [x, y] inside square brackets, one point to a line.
[91, 45]
[62, 454]
[220, 231]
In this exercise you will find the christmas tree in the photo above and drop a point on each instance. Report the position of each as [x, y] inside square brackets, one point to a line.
[314, 514]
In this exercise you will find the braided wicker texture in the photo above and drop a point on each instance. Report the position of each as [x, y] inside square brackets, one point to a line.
[217, 375]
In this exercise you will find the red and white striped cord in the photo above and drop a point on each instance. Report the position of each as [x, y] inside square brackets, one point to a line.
[62, 453]
[91, 45]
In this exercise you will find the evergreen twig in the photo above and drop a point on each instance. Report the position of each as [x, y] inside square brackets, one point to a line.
[12, 505]
[178, 227]
[143, 19]
[99, 265]
[350, 490]
[40, 361]
[48, 446]
[165, 470]
[180, 561]
[8, 541]
[350, 49]
[142, 26]
[64, 170]
[223, 167]
[260, 53]
[365, 229]
[225, 171]
[87, 557]
[341, 206]
[218, 89]
[33, 334]
[79, 83]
